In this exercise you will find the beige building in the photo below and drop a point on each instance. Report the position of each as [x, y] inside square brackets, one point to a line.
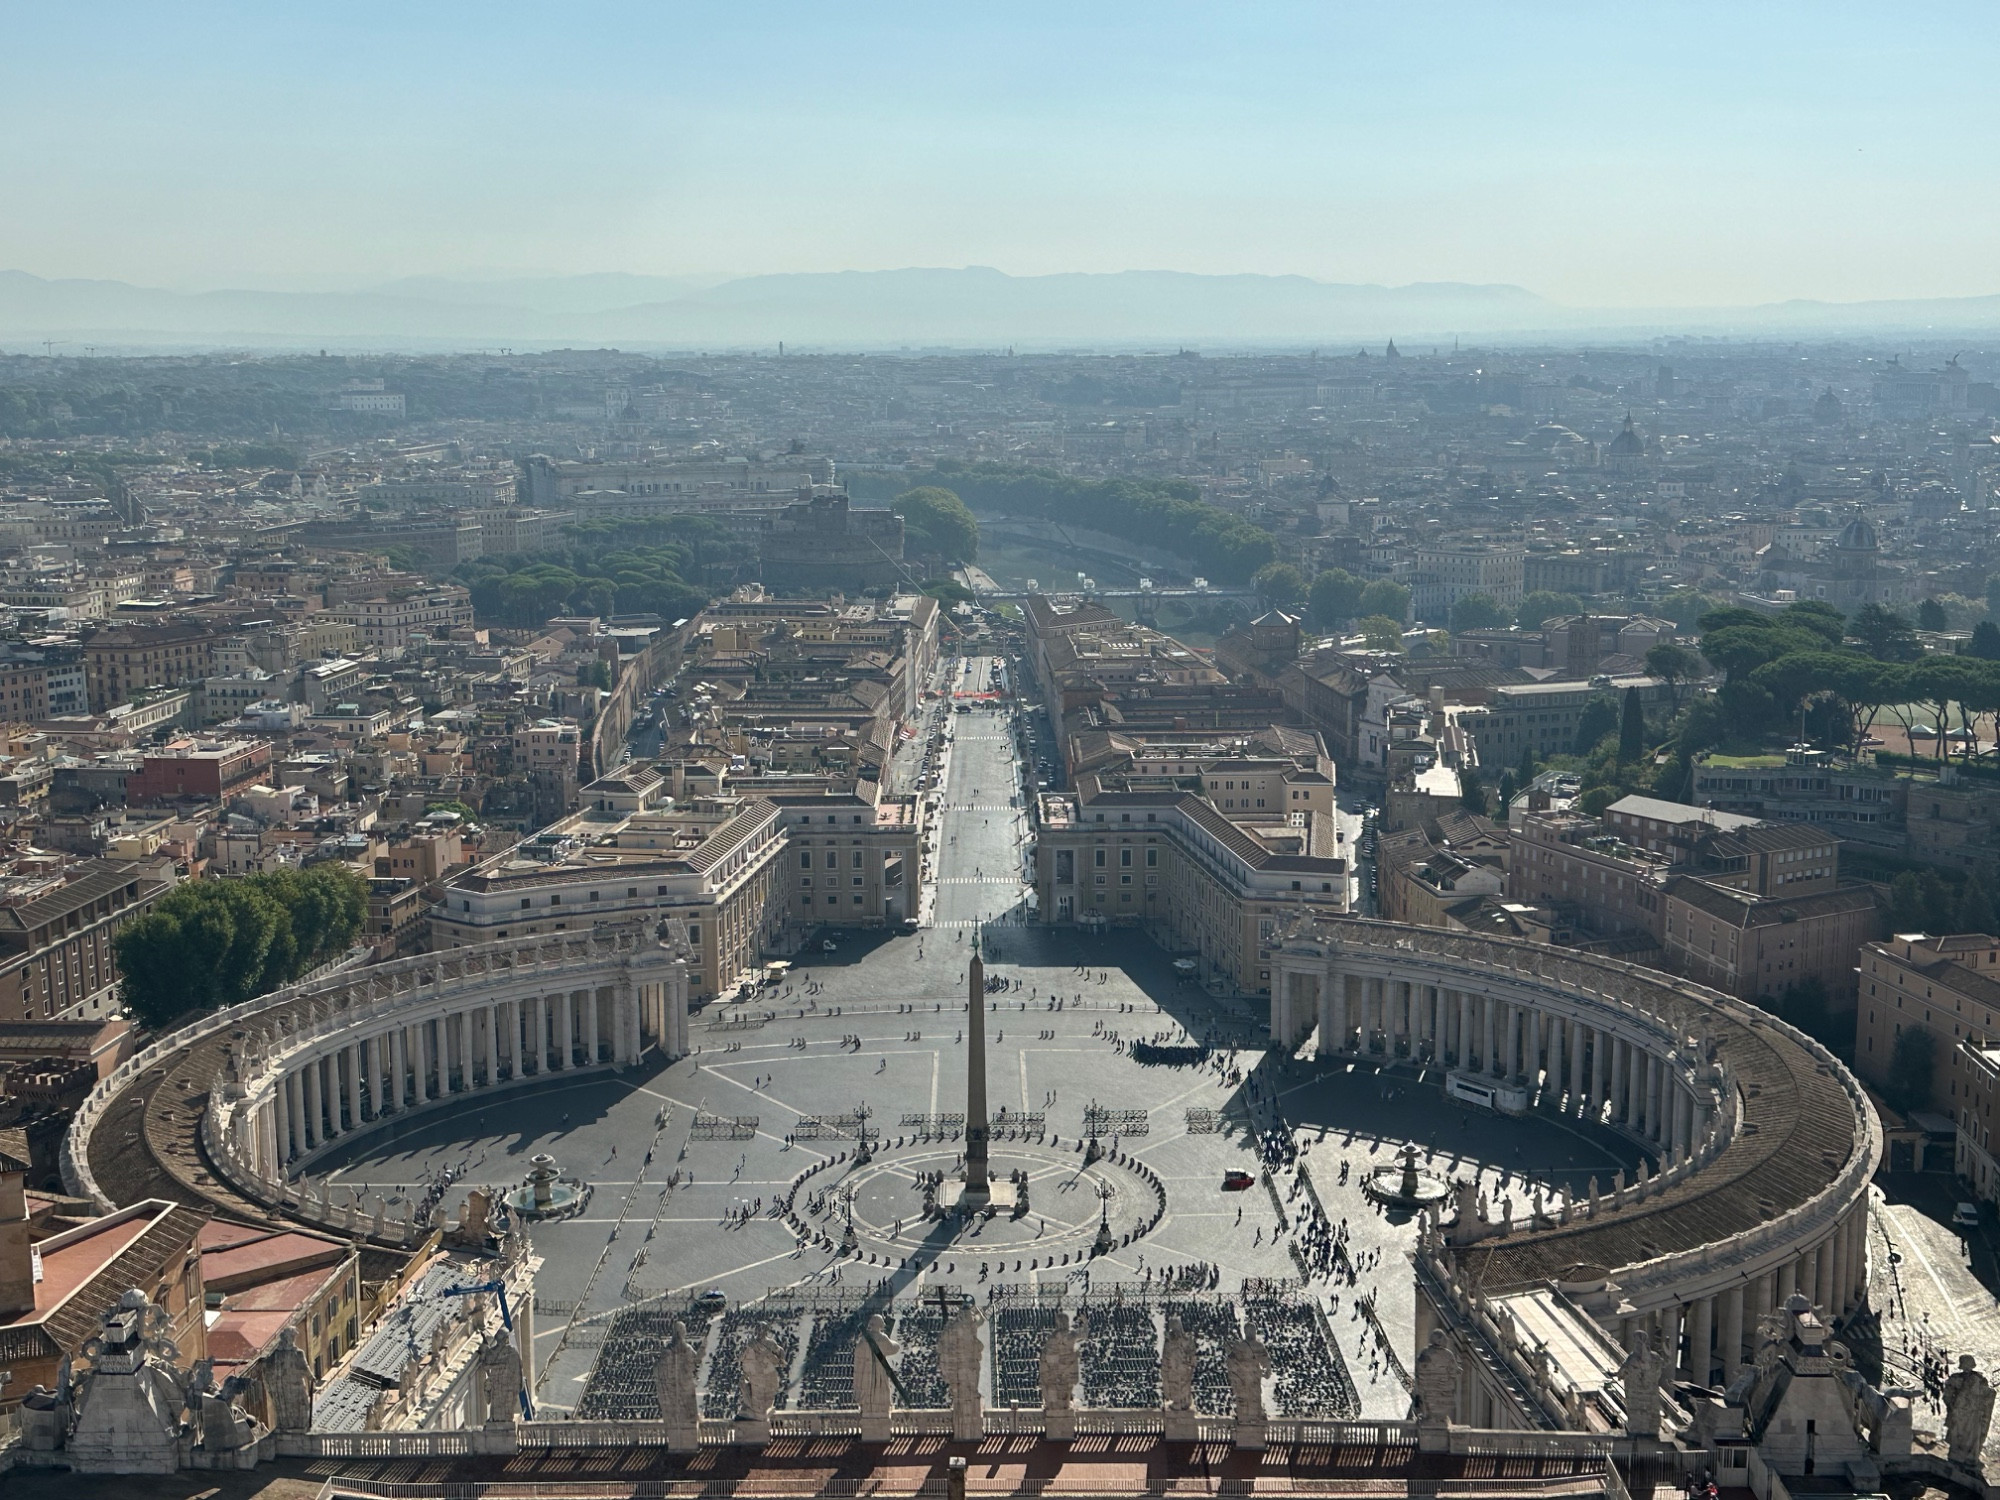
[744, 877]
[1948, 987]
[1219, 892]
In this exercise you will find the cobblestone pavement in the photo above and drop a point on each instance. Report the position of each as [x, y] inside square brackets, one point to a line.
[1930, 1305]
[880, 1023]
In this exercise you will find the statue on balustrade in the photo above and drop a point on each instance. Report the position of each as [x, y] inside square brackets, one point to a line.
[500, 1375]
[763, 1367]
[1247, 1363]
[961, 1355]
[288, 1385]
[1059, 1366]
[1641, 1377]
[874, 1380]
[1437, 1379]
[1968, 1411]
[674, 1384]
[1177, 1356]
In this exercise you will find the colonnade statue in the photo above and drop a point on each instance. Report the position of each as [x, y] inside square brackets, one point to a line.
[1436, 1379]
[961, 1354]
[874, 1378]
[1968, 1411]
[1057, 1374]
[673, 1381]
[763, 1369]
[1177, 1356]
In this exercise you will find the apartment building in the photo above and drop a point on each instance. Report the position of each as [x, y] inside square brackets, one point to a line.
[1445, 573]
[56, 959]
[389, 619]
[120, 660]
[1766, 912]
[1947, 987]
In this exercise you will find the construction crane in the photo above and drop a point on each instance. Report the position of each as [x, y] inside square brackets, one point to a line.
[499, 1289]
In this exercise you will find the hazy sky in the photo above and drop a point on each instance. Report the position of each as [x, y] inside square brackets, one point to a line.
[1627, 155]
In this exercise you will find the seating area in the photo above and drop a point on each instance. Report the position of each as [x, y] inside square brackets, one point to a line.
[725, 1368]
[1309, 1374]
[621, 1385]
[1121, 1355]
[1212, 1321]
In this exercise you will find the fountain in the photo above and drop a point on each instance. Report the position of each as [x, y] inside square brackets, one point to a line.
[1404, 1186]
[545, 1195]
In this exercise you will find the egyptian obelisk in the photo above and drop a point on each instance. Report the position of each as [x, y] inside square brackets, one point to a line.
[977, 1188]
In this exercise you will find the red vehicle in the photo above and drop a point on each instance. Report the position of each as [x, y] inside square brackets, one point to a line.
[1236, 1182]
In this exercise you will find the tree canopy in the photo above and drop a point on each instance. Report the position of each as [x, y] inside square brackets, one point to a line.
[609, 568]
[1335, 597]
[209, 943]
[1166, 513]
[1477, 612]
[1280, 585]
[936, 523]
[1543, 605]
[1385, 597]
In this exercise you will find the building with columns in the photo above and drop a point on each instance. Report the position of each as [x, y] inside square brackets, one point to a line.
[294, 1072]
[1758, 1148]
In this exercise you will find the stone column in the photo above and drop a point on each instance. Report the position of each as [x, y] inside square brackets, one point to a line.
[1701, 1334]
[1463, 1056]
[1857, 1263]
[590, 1027]
[1340, 1026]
[1656, 1079]
[315, 1126]
[440, 1057]
[1576, 1035]
[1619, 1070]
[492, 1014]
[565, 1029]
[1732, 1332]
[1823, 1284]
[1788, 1281]
[1489, 1056]
[1553, 1089]
[1599, 1069]
[1837, 1300]
[295, 1112]
[352, 1053]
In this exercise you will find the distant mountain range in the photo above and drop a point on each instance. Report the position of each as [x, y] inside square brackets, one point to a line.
[972, 307]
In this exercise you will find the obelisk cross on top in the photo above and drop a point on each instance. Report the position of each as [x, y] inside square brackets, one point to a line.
[976, 1184]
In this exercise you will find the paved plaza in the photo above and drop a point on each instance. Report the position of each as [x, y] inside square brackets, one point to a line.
[705, 1172]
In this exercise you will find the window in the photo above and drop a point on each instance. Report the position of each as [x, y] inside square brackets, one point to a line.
[856, 864]
[1099, 860]
[524, 903]
[1152, 858]
[805, 859]
[1125, 859]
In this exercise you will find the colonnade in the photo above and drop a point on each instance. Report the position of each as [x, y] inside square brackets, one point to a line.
[369, 1072]
[1599, 1067]
[1715, 1334]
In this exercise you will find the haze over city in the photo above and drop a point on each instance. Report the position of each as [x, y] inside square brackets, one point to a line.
[1682, 167]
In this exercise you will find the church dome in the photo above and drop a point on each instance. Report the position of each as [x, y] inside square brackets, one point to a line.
[1627, 443]
[1858, 536]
